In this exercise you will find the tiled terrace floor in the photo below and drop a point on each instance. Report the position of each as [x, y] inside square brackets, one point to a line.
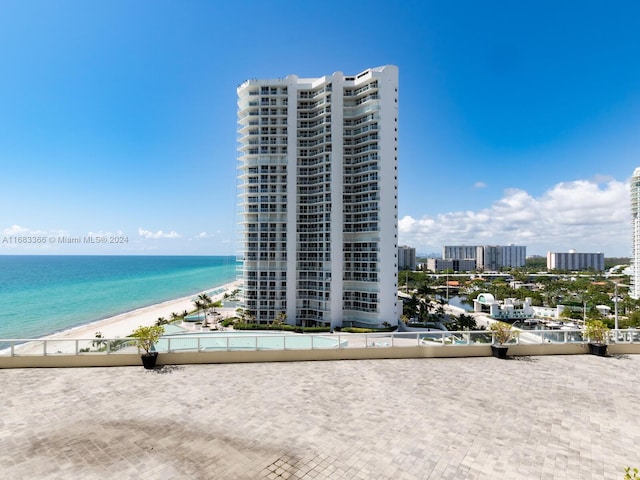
[555, 417]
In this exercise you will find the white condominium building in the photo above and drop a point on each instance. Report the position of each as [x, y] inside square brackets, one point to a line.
[574, 261]
[318, 198]
[634, 291]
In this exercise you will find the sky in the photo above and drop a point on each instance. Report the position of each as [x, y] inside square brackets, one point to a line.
[518, 121]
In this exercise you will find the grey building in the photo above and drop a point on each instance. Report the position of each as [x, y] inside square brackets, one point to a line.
[488, 257]
[406, 258]
[573, 261]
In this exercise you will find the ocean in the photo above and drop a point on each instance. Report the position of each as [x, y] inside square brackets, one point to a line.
[44, 294]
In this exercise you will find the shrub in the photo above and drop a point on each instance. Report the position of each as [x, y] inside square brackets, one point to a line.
[503, 332]
[368, 330]
[597, 332]
[228, 321]
[284, 327]
[147, 336]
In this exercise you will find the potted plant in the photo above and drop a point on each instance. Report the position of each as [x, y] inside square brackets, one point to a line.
[146, 337]
[502, 333]
[597, 334]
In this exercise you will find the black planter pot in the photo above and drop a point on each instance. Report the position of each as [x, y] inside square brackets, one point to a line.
[149, 360]
[598, 349]
[499, 351]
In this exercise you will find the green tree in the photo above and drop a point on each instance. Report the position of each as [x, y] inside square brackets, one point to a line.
[464, 322]
[410, 306]
[280, 319]
[203, 302]
[146, 337]
[424, 309]
[99, 341]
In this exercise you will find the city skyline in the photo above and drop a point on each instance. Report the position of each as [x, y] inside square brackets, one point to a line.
[517, 124]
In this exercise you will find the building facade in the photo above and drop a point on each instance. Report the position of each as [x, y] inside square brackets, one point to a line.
[459, 252]
[634, 291]
[573, 261]
[455, 265]
[513, 256]
[318, 198]
[406, 258]
[488, 257]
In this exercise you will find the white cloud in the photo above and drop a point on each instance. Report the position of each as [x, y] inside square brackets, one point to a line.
[101, 233]
[217, 234]
[480, 185]
[15, 230]
[159, 234]
[585, 215]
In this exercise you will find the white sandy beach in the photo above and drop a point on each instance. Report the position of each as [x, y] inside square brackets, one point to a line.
[121, 326]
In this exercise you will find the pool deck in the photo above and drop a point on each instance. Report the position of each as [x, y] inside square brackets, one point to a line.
[548, 417]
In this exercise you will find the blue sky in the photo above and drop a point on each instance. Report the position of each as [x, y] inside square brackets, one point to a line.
[518, 122]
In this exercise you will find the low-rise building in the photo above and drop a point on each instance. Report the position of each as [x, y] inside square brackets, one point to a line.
[508, 310]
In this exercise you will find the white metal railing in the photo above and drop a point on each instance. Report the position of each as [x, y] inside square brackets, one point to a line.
[227, 341]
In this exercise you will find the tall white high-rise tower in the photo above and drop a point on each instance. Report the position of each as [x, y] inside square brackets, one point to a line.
[634, 291]
[318, 198]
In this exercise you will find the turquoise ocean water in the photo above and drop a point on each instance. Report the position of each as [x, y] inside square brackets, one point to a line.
[41, 294]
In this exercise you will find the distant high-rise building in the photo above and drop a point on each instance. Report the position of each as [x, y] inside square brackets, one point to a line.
[456, 265]
[459, 252]
[574, 261]
[513, 256]
[634, 291]
[488, 257]
[318, 198]
[406, 258]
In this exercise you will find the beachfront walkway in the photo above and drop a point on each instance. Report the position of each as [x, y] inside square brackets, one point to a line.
[555, 417]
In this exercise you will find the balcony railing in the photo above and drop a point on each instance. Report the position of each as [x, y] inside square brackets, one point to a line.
[233, 341]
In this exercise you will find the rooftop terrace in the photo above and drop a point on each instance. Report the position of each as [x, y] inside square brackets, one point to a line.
[544, 417]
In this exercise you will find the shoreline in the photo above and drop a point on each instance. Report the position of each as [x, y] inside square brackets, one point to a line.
[123, 324]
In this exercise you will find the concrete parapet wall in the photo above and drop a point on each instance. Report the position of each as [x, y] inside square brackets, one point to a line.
[185, 358]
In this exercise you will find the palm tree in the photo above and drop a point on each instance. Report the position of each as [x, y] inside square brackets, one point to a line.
[203, 303]
[201, 306]
[280, 319]
[98, 342]
[423, 310]
[205, 299]
[465, 322]
[410, 307]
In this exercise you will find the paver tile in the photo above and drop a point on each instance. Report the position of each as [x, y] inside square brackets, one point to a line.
[549, 417]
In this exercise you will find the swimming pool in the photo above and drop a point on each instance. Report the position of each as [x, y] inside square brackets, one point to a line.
[179, 339]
